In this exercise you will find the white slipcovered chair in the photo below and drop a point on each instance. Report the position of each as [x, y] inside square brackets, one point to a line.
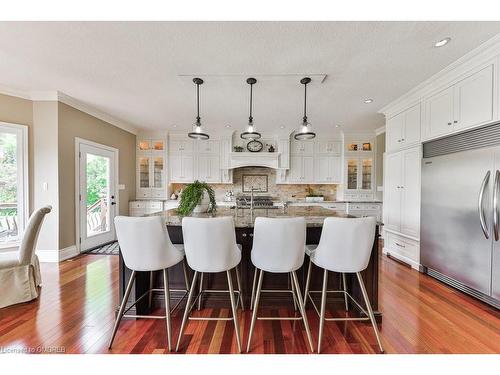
[20, 270]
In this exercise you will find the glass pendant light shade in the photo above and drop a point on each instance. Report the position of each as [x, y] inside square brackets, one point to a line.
[198, 132]
[305, 132]
[250, 133]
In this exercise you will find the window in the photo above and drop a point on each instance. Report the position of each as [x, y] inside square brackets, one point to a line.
[13, 181]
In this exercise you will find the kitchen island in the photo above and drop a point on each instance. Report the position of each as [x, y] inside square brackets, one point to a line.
[244, 221]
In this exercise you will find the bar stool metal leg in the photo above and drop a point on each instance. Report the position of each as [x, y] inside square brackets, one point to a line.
[167, 309]
[344, 285]
[370, 311]
[235, 309]
[308, 280]
[323, 308]
[253, 288]
[293, 293]
[240, 294]
[150, 300]
[187, 310]
[255, 308]
[302, 310]
[200, 291]
[122, 308]
[186, 278]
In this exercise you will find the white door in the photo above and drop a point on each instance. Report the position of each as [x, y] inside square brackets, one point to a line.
[97, 195]
[392, 187]
[439, 110]
[395, 132]
[410, 193]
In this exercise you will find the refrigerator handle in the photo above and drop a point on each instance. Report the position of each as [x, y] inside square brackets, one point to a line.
[480, 205]
[495, 205]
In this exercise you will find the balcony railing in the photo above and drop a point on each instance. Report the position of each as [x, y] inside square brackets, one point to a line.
[8, 222]
[97, 214]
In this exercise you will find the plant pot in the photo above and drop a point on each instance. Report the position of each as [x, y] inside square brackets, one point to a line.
[203, 205]
[315, 199]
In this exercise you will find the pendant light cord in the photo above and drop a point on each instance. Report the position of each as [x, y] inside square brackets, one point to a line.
[198, 103]
[305, 103]
[250, 119]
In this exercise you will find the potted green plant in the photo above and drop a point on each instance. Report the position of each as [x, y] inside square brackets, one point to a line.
[238, 149]
[197, 197]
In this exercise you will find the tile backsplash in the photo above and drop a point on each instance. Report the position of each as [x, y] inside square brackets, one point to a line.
[280, 191]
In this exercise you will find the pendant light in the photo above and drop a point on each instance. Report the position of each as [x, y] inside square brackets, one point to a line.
[250, 133]
[305, 132]
[197, 132]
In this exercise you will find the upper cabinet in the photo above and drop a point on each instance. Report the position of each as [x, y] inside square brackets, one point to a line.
[302, 147]
[469, 102]
[403, 130]
[332, 147]
[151, 167]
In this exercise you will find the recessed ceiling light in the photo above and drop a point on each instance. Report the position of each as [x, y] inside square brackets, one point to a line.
[368, 101]
[228, 126]
[442, 42]
[174, 126]
[337, 126]
[282, 127]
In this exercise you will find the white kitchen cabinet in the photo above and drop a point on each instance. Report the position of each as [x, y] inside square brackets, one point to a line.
[181, 168]
[151, 176]
[181, 146]
[208, 168]
[144, 207]
[327, 169]
[332, 147]
[467, 103]
[302, 147]
[301, 169]
[359, 174]
[403, 130]
[402, 192]
[207, 146]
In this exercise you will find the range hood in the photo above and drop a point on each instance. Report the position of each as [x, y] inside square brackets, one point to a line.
[254, 159]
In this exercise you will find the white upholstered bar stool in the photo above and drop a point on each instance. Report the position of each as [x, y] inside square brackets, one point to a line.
[345, 247]
[146, 247]
[278, 247]
[210, 245]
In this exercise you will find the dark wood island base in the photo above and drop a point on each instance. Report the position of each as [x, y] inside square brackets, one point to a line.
[244, 237]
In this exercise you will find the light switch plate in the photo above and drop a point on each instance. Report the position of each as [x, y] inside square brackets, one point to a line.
[121, 187]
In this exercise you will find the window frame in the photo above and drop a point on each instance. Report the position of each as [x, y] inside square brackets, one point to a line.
[22, 178]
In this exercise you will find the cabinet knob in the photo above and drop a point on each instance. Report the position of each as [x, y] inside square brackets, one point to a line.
[251, 234]
[449, 123]
[402, 139]
[455, 122]
[244, 235]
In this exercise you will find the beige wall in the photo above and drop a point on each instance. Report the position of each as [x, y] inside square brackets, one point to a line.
[20, 111]
[74, 123]
[46, 170]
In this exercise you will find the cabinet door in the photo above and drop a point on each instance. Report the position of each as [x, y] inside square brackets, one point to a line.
[474, 99]
[322, 169]
[439, 113]
[209, 168]
[366, 174]
[410, 193]
[328, 147]
[336, 169]
[395, 132]
[392, 191]
[158, 177]
[175, 168]
[411, 129]
[178, 146]
[208, 147]
[302, 147]
[295, 173]
[187, 168]
[307, 169]
[352, 170]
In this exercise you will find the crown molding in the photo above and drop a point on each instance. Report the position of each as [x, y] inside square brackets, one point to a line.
[72, 102]
[485, 52]
[380, 130]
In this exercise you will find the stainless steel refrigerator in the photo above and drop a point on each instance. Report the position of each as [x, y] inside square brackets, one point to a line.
[460, 218]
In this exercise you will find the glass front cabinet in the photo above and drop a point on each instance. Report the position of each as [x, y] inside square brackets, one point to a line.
[151, 168]
[359, 167]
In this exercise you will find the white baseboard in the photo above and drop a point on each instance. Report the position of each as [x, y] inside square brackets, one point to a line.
[402, 258]
[54, 256]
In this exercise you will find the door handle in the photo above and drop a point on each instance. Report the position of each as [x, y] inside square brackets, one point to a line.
[480, 205]
[495, 205]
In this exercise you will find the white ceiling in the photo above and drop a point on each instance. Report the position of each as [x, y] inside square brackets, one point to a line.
[141, 72]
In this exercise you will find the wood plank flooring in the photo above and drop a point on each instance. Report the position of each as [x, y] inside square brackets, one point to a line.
[75, 314]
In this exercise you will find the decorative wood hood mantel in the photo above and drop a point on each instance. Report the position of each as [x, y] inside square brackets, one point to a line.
[254, 159]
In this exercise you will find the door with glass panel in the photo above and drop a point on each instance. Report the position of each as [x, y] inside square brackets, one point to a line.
[97, 197]
[13, 182]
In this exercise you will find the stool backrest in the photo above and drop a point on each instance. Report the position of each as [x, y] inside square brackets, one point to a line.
[210, 243]
[278, 243]
[345, 244]
[145, 244]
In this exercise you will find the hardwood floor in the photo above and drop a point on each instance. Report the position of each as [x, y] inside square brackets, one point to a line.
[75, 314]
